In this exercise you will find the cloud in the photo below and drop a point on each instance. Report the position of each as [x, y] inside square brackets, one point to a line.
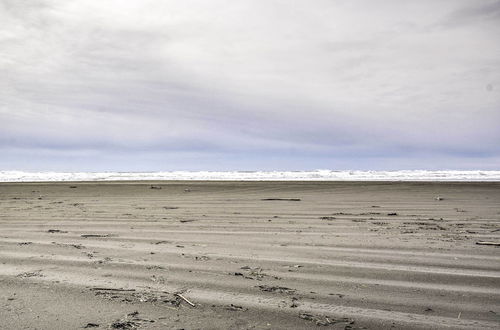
[227, 82]
[482, 12]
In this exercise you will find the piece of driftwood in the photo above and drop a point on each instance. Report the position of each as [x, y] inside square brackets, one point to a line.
[185, 299]
[94, 235]
[282, 199]
[112, 289]
[488, 243]
[52, 231]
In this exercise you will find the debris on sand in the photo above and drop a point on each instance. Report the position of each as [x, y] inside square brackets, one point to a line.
[103, 261]
[186, 220]
[111, 289]
[392, 213]
[155, 267]
[276, 289]
[94, 235]
[161, 242]
[235, 308]
[170, 207]
[256, 273]
[488, 243]
[155, 187]
[340, 295]
[185, 299]
[73, 187]
[76, 246]
[24, 243]
[124, 324]
[306, 316]
[91, 325]
[159, 279]
[37, 273]
[282, 199]
[439, 198]
[132, 296]
[134, 320]
[53, 231]
[293, 266]
[328, 218]
[325, 320]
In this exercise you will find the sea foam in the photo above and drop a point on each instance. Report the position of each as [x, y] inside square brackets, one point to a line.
[317, 175]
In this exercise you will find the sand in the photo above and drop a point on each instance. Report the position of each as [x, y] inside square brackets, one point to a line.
[249, 255]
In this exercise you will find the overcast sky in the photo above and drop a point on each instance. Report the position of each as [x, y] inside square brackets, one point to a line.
[96, 85]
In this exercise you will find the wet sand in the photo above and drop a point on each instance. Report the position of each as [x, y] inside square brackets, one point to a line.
[249, 255]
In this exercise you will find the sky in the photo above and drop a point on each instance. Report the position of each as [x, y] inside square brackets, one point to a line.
[160, 85]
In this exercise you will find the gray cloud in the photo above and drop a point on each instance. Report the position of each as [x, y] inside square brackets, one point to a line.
[248, 85]
[481, 12]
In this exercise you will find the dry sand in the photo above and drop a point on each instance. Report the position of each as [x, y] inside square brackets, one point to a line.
[345, 256]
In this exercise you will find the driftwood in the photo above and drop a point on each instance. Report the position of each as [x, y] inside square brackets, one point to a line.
[488, 243]
[94, 235]
[112, 289]
[185, 299]
[52, 231]
[282, 199]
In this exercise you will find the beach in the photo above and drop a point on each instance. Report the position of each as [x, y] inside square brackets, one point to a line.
[250, 255]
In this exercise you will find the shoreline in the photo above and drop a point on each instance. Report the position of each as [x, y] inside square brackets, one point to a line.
[317, 176]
